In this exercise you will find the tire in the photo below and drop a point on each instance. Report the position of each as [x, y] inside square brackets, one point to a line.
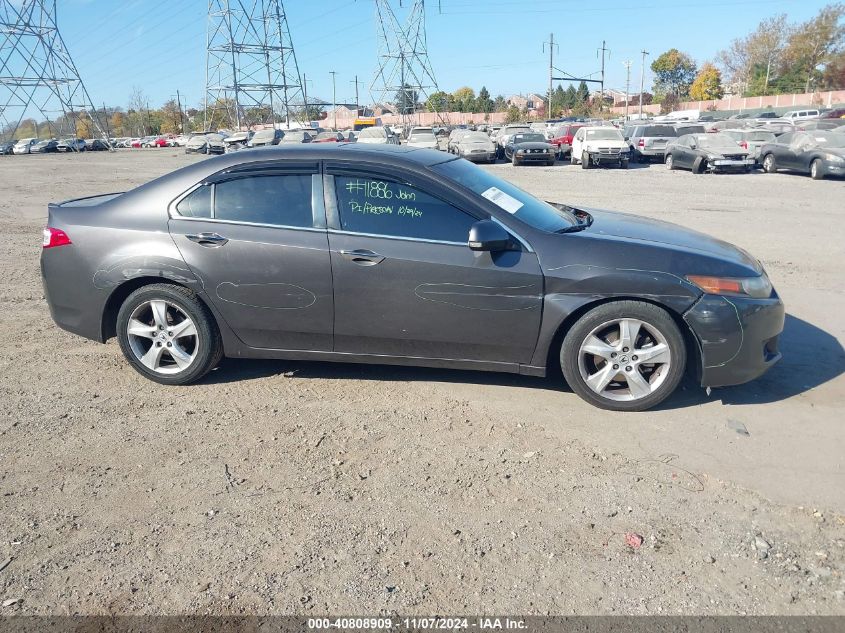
[699, 165]
[572, 159]
[199, 348]
[769, 164]
[585, 160]
[670, 162]
[623, 164]
[603, 326]
[817, 169]
[514, 162]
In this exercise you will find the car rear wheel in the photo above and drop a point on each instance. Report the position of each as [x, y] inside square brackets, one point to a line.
[168, 335]
[624, 356]
[769, 165]
[816, 170]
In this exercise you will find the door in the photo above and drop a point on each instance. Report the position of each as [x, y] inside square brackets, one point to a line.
[260, 248]
[681, 154]
[406, 283]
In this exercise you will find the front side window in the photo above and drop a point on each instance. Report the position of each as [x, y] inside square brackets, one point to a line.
[381, 207]
[281, 200]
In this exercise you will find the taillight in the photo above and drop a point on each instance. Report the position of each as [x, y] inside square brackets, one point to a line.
[55, 237]
[641, 143]
[743, 144]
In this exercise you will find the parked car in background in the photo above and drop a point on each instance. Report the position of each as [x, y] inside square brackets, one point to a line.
[751, 139]
[596, 146]
[562, 136]
[96, 145]
[226, 257]
[689, 128]
[702, 153]
[454, 136]
[819, 153]
[47, 146]
[299, 136]
[377, 135]
[801, 114]
[423, 138]
[329, 136]
[238, 141]
[505, 133]
[838, 113]
[270, 136]
[476, 147]
[817, 124]
[72, 145]
[649, 141]
[211, 143]
[529, 147]
[179, 141]
[6, 147]
[24, 146]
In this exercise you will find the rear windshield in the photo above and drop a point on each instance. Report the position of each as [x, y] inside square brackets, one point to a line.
[658, 130]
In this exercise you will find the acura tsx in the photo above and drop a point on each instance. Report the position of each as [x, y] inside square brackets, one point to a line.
[396, 255]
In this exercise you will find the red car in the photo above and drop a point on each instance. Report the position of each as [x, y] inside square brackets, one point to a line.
[159, 142]
[329, 137]
[562, 139]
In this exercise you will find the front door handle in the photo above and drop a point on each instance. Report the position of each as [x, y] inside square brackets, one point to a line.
[362, 257]
[207, 239]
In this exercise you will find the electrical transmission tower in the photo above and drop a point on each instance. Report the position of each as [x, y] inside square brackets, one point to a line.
[404, 75]
[251, 72]
[37, 74]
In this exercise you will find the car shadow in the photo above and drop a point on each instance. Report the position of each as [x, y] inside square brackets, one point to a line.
[811, 357]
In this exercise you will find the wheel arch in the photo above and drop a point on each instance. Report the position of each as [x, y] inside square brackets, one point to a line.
[552, 353]
[108, 322]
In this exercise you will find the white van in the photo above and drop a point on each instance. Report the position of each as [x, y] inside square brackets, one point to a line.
[801, 114]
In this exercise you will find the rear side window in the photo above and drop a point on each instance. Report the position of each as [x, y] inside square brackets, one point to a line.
[386, 208]
[196, 204]
[280, 200]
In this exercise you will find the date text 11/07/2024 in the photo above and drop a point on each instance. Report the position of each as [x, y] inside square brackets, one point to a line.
[419, 623]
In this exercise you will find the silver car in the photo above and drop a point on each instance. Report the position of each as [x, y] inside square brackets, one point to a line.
[475, 146]
[649, 141]
[751, 140]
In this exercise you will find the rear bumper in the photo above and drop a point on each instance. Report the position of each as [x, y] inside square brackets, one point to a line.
[650, 152]
[738, 337]
[74, 305]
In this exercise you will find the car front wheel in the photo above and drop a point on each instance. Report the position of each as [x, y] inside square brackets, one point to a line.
[816, 170]
[624, 356]
[670, 162]
[585, 160]
[769, 165]
[168, 335]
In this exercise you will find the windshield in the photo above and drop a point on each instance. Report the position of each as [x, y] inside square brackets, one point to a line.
[534, 212]
[828, 139]
[760, 136]
[604, 134]
[372, 132]
[528, 138]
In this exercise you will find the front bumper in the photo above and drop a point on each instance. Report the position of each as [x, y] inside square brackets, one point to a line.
[599, 157]
[535, 157]
[479, 156]
[725, 164]
[738, 337]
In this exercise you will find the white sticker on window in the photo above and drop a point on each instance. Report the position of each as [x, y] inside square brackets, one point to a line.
[821, 139]
[502, 200]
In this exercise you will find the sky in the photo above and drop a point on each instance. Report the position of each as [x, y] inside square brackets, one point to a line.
[159, 45]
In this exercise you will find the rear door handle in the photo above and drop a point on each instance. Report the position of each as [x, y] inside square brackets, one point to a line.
[362, 257]
[207, 239]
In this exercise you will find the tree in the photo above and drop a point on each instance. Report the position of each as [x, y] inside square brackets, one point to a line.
[464, 99]
[582, 94]
[171, 118]
[499, 104]
[483, 102]
[513, 115]
[674, 71]
[437, 102]
[669, 103]
[406, 99]
[570, 97]
[816, 42]
[764, 46]
[707, 85]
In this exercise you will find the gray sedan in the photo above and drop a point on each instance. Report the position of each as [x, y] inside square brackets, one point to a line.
[476, 147]
[395, 255]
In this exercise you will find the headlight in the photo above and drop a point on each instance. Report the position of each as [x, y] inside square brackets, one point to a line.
[835, 159]
[520, 151]
[755, 287]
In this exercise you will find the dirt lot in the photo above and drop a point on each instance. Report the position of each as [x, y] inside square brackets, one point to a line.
[282, 487]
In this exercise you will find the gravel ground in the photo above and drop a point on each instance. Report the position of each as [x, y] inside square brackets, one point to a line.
[287, 487]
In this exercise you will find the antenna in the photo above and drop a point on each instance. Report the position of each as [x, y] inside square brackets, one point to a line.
[252, 76]
[37, 73]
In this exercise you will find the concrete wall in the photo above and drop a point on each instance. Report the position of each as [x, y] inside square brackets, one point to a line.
[345, 118]
[785, 102]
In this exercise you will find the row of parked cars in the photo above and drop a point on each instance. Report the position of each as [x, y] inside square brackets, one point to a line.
[51, 145]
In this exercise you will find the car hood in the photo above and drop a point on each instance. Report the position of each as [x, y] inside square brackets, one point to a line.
[629, 227]
[835, 151]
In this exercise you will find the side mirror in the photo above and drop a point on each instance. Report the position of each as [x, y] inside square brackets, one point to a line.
[488, 235]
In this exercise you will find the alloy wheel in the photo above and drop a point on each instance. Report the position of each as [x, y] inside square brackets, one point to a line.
[162, 337]
[624, 359]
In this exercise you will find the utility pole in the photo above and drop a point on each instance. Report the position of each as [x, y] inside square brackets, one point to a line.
[603, 50]
[181, 118]
[334, 99]
[357, 102]
[106, 115]
[642, 81]
[551, 44]
[627, 65]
